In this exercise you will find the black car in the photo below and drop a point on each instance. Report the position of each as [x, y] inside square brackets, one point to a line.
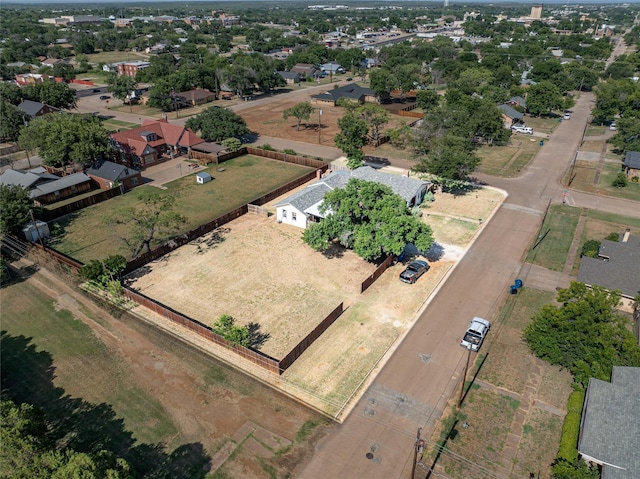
[105, 97]
[413, 271]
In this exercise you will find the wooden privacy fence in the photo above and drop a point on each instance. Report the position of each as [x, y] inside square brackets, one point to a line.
[377, 273]
[258, 210]
[99, 197]
[308, 340]
[60, 257]
[256, 357]
[411, 114]
[276, 155]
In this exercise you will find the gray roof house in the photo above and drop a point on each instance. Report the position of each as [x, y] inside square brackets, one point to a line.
[352, 91]
[332, 67]
[290, 77]
[511, 113]
[616, 267]
[46, 188]
[35, 108]
[631, 163]
[610, 426]
[304, 206]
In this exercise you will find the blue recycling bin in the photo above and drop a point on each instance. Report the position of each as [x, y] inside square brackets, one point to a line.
[518, 283]
[541, 142]
[513, 289]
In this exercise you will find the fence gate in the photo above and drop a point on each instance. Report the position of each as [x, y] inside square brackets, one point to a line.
[258, 210]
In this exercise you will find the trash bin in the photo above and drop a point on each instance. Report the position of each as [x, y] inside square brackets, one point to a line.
[541, 142]
[518, 283]
[513, 289]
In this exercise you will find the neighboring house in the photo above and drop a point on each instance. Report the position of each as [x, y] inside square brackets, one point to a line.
[23, 79]
[130, 69]
[610, 425]
[352, 91]
[616, 266]
[197, 96]
[109, 174]
[27, 66]
[35, 108]
[156, 49]
[370, 63]
[290, 77]
[154, 141]
[44, 187]
[510, 116]
[332, 67]
[517, 101]
[51, 62]
[631, 164]
[211, 149]
[306, 70]
[303, 207]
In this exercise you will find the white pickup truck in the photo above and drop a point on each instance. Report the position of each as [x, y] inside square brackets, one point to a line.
[525, 130]
[477, 330]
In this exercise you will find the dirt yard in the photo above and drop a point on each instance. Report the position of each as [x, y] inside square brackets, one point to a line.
[256, 271]
[266, 119]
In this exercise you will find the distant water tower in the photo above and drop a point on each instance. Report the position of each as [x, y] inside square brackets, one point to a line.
[536, 11]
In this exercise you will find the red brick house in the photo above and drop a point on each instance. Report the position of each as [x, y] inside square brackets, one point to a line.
[153, 142]
[130, 69]
[109, 175]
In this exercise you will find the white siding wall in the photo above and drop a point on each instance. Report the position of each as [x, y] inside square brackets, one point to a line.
[291, 216]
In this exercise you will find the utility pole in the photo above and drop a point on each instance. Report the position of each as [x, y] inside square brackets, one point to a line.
[464, 377]
[319, 123]
[418, 448]
[35, 225]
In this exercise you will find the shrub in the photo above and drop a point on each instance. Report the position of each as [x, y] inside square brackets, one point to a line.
[267, 147]
[613, 237]
[620, 181]
[590, 249]
[635, 179]
[289, 151]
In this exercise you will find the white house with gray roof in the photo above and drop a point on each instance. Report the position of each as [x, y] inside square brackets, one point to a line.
[303, 207]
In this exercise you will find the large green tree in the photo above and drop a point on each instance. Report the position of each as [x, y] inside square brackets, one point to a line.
[15, 204]
[449, 157]
[217, 124]
[151, 220]
[11, 120]
[352, 137]
[122, 86]
[300, 111]
[370, 219]
[66, 138]
[375, 116]
[584, 334]
[544, 97]
[57, 95]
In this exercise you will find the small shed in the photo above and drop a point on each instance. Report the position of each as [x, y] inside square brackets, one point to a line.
[34, 235]
[203, 177]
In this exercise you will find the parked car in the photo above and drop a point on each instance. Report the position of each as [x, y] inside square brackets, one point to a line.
[413, 271]
[475, 334]
[525, 130]
[612, 126]
[104, 97]
[567, 116]
[349, 79]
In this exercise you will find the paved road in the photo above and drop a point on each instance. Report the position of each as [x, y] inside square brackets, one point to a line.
[410, 392]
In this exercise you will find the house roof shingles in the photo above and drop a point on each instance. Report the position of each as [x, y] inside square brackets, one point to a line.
[510, 112]
[352, 91]
[611, 424]
[619, 271]
[111, 171]
[167, 134]
[59, 184]
[632, 160]
[25, 179]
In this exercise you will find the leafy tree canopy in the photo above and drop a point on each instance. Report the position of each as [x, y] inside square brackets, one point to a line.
[226, 327]
[15, 204]
[450, 157]
[370, 219]
[544, 97]
[584, 334]
[57, 95]
[352, 137]
[65, 138]
[300, 111]
[12, 119]
[217, 124]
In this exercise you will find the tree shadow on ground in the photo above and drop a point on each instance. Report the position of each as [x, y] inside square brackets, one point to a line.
[462, 191]
[334, 251]
[27, 377]
[211, 240]
[256, 338]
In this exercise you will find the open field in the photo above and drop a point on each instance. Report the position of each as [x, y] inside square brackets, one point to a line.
[113, 57]
[595, 130]
[556, 235]
[510, 159]
[331, 371]
[266, 275]
[169, 409]
[87, 235]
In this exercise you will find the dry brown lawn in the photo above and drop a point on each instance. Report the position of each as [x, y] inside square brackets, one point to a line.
[592, 146]
[261, 272]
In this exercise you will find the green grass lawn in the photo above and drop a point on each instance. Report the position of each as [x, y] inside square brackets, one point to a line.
[552, 246]
[583, 177]
[113, 124]
[508, 160]
[595, 130]
[113, 57]
[87, 236]
[541, 124]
